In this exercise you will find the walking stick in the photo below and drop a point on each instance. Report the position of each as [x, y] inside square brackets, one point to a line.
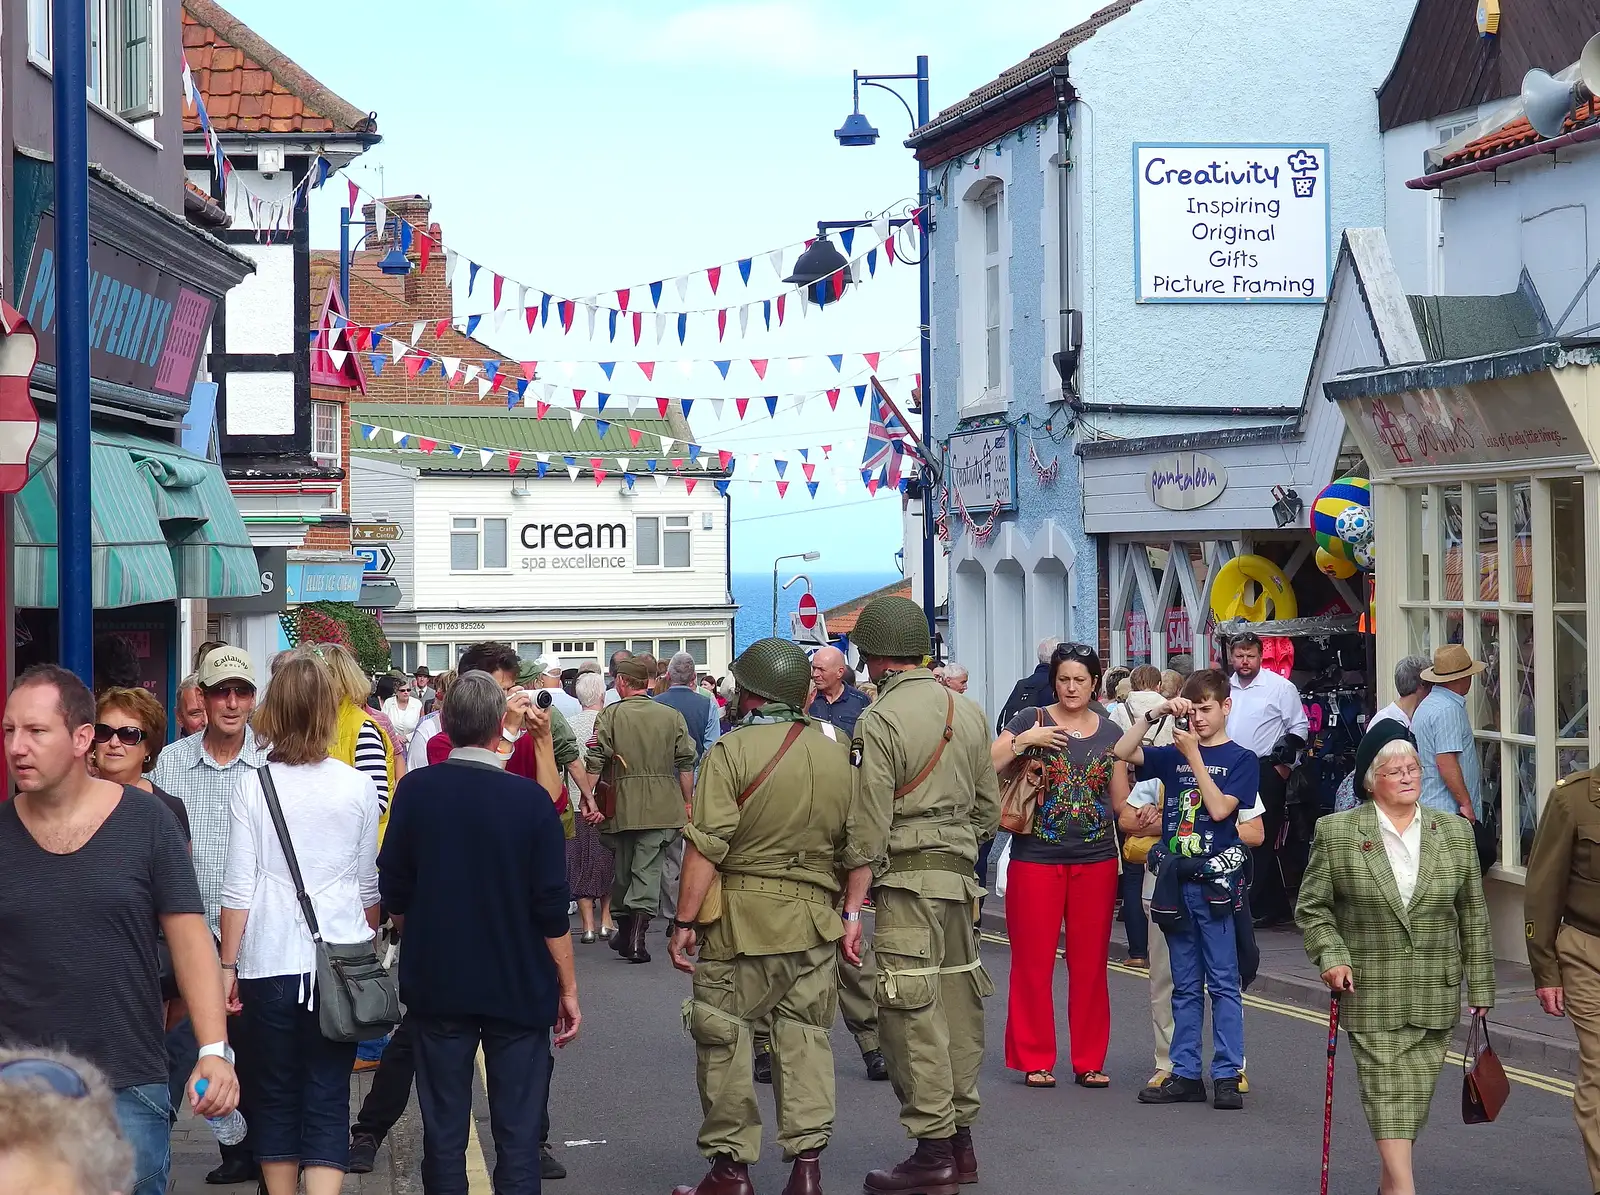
[1327, 1110]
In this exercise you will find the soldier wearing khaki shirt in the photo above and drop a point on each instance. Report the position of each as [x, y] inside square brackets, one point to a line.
[925, 798]
[768, 828]
[1561, 904]
[654, 778]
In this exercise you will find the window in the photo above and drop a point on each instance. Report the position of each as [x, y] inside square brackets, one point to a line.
[438, 657]
[325, 433]
[530, 651]
[643, 647]
[670, 648]
[1449, 132]
[991, 290]
[123, 60]
[468, 535]
[613, 646]
[663, 541]
[573, 647]
[1498, 565]
[697, 649]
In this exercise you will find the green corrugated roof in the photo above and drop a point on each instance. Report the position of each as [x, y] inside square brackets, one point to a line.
[518, 429]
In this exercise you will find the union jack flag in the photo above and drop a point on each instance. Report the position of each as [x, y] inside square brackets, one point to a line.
[887, 440]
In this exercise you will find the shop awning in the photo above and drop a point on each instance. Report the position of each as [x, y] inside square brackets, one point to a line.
[163, 524]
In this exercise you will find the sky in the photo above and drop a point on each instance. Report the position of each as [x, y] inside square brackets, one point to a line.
[583, 147]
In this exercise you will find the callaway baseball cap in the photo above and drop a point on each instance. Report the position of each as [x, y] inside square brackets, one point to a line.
[226, 663]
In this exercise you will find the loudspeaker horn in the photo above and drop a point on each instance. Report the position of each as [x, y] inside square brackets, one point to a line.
[1589, 66]
[1548, 102]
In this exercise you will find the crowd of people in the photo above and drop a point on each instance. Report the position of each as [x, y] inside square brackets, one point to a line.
[459, 821]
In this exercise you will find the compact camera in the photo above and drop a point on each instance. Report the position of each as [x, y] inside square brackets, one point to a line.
[1181, 723]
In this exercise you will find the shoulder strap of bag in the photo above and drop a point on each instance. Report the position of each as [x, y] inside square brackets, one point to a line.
[270, 792]
[938, 751]
[795, 730]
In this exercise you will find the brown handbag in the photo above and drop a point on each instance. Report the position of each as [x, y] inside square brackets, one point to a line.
[711, 903]
[1020, 796]
[605, 788]
[1484, 1086]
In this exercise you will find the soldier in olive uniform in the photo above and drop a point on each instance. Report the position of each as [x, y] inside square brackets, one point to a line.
[654, 778]
[925, 798]
[769, 821]
[1562, 907]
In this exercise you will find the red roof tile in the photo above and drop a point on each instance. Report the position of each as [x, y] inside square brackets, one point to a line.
[841, 619]
[1516, 135]
[251, 87]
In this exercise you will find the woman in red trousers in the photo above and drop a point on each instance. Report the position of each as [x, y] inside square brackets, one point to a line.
[1063, 871]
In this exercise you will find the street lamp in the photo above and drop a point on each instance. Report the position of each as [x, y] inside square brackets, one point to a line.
[394, 263]
[791, 556]
[855, 131]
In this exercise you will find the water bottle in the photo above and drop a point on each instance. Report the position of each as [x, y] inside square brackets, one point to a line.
[229, 1129]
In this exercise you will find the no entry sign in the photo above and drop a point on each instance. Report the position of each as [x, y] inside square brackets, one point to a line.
[807, 613]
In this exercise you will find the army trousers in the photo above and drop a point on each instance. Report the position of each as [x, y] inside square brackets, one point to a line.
[789, 998]
[857, 1003]
[1580, 977]
[930, 994]
[640, 856]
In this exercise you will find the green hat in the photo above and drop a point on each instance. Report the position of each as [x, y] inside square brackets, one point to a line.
[528, 671]
[775, 669]
[893, 628]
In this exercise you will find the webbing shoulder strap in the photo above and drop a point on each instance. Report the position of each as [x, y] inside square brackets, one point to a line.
[795, 730]
[938, 752]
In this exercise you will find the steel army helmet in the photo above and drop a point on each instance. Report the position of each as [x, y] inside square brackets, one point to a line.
[893, 628]
[775, 669]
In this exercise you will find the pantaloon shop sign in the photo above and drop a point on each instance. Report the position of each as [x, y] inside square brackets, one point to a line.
[1229, 223]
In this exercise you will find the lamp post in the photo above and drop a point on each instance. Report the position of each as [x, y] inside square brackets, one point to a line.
[857, 130]
[394, 263]
[791, 556]
[69, 28]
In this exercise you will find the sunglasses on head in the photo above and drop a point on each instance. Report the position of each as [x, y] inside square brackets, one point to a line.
[128, 736]
[44, 1073]
[1077, 651]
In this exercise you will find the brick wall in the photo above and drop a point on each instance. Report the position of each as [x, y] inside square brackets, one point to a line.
[325, 537]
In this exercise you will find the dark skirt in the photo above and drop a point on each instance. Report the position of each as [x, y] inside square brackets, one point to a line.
[589, 863]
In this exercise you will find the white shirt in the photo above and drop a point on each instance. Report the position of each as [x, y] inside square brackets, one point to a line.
[332, 814]
[417, 752]
[1393, 712]
[565, 703]
[612, 696]
[404, 720]
[1404, 849]
[1264, 711]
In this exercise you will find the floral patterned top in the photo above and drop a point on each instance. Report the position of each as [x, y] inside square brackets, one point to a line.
[1074, 822]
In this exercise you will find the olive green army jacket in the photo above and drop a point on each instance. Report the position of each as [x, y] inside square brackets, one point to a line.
[926, 841]
[1563, 884]
[652, 746]
[778, 856]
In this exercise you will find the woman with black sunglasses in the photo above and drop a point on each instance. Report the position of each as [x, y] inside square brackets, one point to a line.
[130, 727]
[1063, 871]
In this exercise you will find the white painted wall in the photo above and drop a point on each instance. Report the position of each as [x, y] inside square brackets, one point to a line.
[383, 487]
[261, 310]
[260, 404]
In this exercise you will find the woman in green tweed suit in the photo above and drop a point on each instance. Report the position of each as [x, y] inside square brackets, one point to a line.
[1393, 913]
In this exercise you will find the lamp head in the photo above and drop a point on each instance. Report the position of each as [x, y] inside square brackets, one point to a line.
[394, 262]
[856, 130]
[817, 264]
[813, 555]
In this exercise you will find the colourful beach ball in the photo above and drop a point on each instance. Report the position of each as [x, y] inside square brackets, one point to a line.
[1354, 524]
[1337, 567]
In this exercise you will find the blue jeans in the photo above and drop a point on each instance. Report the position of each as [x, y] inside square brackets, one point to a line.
[516, 1063]
[145, 1118]
[1206, 958]
[298, 1080]
[1130, 887]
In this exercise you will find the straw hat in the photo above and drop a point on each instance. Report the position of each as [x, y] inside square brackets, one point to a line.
[1451, 663]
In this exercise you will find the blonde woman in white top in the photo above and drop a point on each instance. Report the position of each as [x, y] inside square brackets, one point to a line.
[299, 1083]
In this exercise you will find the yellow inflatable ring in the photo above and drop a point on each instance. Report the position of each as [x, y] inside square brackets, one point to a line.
[1272, 591]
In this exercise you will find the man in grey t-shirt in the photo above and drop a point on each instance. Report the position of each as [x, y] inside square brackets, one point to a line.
[88, 871]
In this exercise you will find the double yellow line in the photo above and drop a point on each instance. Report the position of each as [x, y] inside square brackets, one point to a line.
[1516, 1075]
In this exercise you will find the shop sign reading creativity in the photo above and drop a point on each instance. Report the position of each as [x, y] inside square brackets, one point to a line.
[146, 329]
[574, 545]
[1231, 223]
[1185, 480]
[983, 468]
[1451, 427]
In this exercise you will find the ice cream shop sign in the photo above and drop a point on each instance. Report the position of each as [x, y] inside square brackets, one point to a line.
[1185, 480]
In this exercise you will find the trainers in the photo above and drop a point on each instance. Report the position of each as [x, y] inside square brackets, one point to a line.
[1157, 1079]
[548, 1166]
[1225, 1095]
[1175, 1090]
[1244, 1084]
[363, 1154]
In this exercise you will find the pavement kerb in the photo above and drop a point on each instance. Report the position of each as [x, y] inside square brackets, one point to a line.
[1515, 1046]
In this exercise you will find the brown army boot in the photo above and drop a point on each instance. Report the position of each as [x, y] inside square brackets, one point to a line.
[806, 1176]
[726, 1177]
[966, 1157]
[638, 933]
[619, 940]
[931, 1170]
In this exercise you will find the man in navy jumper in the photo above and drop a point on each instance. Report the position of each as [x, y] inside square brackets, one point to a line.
[474, 860]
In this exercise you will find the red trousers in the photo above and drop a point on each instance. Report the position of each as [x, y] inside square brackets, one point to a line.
[1039, 898]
